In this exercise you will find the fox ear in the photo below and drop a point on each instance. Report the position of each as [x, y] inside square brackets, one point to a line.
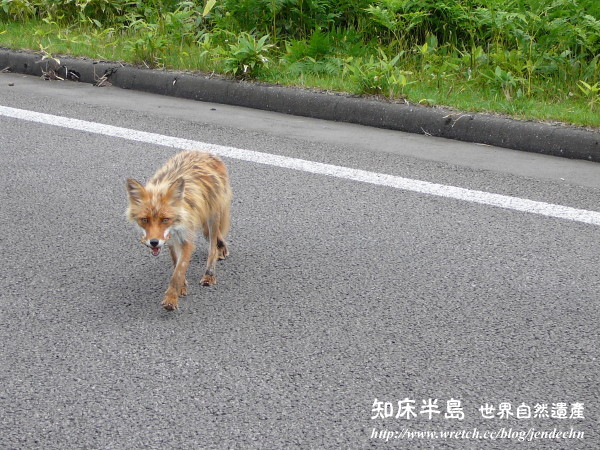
[175, 192]
[135, 190]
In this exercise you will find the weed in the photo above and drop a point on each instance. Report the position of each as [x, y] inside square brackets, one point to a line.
[591, 93]
[505, 81]
[247, 56]
[378, 75]
[147, 45]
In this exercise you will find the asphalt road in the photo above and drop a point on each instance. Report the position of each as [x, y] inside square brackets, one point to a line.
[339, 301]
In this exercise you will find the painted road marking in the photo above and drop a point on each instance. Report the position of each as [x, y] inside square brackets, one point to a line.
[423, 187]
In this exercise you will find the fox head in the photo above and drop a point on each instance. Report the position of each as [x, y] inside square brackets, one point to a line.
[155, 210]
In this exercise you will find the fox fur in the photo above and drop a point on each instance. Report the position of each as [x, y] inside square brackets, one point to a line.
[189, 193]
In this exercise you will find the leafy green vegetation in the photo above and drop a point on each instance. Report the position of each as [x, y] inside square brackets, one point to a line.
[532, 59]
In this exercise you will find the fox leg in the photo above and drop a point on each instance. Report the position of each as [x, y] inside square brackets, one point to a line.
[216, 248]
[175, 251]
[223, 252]
[223, 228]
[181, 260]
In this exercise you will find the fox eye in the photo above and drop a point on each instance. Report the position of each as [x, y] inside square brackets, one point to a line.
[166, 220]
[144, 220]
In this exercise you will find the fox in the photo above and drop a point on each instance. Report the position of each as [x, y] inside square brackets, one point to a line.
[190, 192]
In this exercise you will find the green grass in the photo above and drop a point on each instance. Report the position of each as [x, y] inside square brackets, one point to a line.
[529, 60]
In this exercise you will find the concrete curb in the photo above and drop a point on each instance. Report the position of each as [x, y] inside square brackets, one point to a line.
[528, 136]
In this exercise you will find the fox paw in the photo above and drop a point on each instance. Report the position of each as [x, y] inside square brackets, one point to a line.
[208, 280]
[183, 289]
[170, 302]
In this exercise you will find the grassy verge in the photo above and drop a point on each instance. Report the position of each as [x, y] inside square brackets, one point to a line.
[528, 60]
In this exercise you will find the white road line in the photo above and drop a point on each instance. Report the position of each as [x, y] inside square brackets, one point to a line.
[423, 187]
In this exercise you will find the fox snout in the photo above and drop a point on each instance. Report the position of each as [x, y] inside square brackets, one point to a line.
[155, 244]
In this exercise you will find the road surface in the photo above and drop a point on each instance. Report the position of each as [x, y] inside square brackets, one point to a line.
[350, 314]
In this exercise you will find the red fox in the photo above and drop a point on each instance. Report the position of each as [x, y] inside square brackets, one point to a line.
[190, 192]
